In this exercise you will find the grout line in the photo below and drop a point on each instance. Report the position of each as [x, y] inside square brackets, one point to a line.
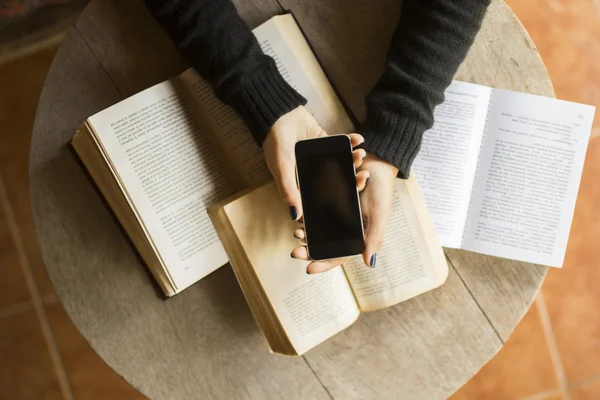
[15, 309]
[543, 395]
[583, 382]
[37, 300]
[20, 308]
[50, 299]
[552, 346]
[597, 4]
[15, 53]
[25, 306]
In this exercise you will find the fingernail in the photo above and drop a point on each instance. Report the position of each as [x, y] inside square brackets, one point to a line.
[365, 156]
[367, 181]
[292, 255]
[373, 260]
[293, 213]
[307, 273]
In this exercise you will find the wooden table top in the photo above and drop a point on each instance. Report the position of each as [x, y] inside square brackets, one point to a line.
[203, 343]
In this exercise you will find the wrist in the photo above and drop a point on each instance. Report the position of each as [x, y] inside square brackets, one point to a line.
[292, 121]
[376, 165]
[290, 117]
[263, 98]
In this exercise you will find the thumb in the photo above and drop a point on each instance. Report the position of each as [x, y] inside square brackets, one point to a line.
[285, 177]
[374, 235]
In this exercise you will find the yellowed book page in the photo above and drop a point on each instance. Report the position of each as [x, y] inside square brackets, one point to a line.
[280, 38]
[311, 308]
[227, 130]
[411, 261]
[171, 173]
[99, 168]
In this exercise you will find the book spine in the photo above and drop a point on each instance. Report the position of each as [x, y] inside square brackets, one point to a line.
[487, 113]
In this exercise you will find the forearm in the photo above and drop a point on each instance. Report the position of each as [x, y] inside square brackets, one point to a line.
[223, 50]
[431, 40]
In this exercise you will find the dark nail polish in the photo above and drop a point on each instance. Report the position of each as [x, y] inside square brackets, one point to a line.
[373, 260]
[293, 213]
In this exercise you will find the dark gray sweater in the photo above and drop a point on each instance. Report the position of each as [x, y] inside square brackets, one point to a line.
[431, 40]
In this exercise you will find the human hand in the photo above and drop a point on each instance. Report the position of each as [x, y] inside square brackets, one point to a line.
[278, 147]
[376, 205]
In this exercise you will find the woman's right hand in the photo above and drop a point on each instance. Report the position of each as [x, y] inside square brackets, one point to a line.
[278, 148]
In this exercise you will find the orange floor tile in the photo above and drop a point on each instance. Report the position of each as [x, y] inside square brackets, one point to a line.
[18, 103]
[89, 376]
[587, 391]
[26, 370]
[572, 294]
[522, 368]
[26, 367]
[13, 288]
[567, 35]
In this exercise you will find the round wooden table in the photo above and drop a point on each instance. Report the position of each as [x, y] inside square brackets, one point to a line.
[203, 343]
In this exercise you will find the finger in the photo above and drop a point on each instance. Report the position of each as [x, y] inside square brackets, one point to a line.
[300, 234]
[317, 267]
[300, 253]
[356, 139]
[374, 235]
[285, 177]
[358, 156]
[362, 178]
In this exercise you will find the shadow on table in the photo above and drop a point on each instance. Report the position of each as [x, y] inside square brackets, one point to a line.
[100, 261]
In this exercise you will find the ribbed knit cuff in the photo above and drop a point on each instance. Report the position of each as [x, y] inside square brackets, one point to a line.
[393, 138]
[263, 98]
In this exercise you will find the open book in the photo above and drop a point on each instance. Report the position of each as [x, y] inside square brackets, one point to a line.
[162, 156]
[297, 311]
[500, 171]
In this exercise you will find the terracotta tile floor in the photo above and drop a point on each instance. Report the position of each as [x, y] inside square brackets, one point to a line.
[553, 354]
[42, 356]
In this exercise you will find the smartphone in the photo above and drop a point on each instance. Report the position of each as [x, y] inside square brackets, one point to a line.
[327, 182]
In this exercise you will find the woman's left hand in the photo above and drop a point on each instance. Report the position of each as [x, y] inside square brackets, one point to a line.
[376, 195]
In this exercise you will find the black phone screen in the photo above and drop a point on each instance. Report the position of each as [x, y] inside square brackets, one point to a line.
[330, 200]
